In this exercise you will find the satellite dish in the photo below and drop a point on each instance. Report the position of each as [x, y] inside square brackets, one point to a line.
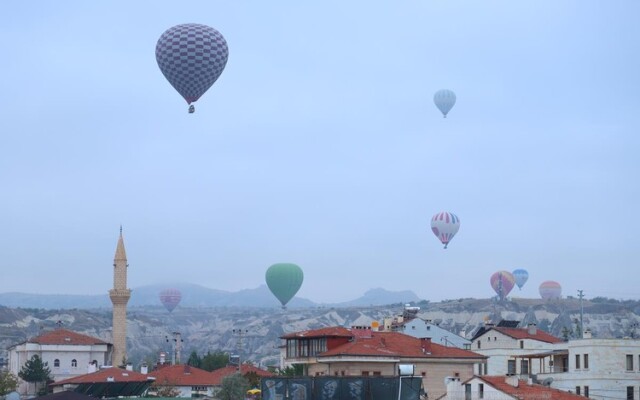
[547, 382]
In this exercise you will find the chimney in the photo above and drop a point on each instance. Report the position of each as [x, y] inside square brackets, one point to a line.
[587, 334]
[187, 369]
[532, 329]
[129, 367]
[144, 369]
[91, 368]
[426, 345]
[512, 380]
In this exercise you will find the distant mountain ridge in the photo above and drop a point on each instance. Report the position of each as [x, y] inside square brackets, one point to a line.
[197, 296]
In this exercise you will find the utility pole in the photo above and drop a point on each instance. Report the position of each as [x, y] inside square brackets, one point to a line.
[177, 347]
[240, 332]
[581, 296]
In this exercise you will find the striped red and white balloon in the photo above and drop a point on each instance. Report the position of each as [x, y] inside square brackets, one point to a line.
[191, 57]
[445, 225]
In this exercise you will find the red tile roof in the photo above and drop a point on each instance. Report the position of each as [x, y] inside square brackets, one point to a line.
[396, 344]
[523, 333]
[524, 391]
[65, 336]
[182, 375]
[333, 331]
[221, 373]
[110, 374]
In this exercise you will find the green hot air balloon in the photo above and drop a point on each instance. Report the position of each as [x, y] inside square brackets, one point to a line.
[284, 281]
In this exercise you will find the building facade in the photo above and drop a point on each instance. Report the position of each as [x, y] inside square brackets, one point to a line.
[502, 346]
[339, 351]
[67, 354]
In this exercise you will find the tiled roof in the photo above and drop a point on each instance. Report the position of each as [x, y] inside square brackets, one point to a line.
[221, 373]
[524, 391]
[523, 333]
[334, 331]
[182, 375]
[65, 336]
[396, 344]
[111, 374]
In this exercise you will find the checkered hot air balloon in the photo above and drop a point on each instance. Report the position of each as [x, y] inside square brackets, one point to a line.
[191, 57]
[445, 225]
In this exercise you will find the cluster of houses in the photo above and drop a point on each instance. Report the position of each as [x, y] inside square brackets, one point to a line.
[502, 361]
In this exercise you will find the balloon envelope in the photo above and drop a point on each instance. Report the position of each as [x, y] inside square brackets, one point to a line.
[444, 99]
[521, 276]
[284, 280]
[502, 282]
[445, 225]
[170, 298]
[191, 57]
[550, 290]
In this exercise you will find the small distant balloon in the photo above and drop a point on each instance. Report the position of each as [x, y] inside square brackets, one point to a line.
[502, 282]
[192, 58]
[550, 290]
[284, 280]
[444, 99]
[170, 298]
[521, 276]
[445, 225]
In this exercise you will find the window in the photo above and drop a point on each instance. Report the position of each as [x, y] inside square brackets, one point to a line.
[578, 390]
[585, 358]
[74, 363]
[522, 344]
[478, 344]
[629, 362]
[577, 361]
[377, 373]
[481, 390]
[524, 367]
[586, 391]
[56, 363]
[365, 373]
[629, 392]
[467, 391]
[511, 367]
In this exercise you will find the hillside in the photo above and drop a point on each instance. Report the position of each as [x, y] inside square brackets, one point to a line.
[211, 328]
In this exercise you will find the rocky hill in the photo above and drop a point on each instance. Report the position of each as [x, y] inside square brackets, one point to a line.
[205, 329]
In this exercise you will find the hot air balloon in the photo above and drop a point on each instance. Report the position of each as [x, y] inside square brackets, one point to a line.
[502, 282]
[445, 225]
[445, 100]
[284, 281]
[191, 57]
[550, 290]
[170, 298]
[521, 276]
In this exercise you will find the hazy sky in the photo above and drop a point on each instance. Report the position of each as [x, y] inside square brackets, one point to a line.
[320, 145]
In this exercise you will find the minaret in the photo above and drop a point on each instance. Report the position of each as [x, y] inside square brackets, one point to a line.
[119, 297]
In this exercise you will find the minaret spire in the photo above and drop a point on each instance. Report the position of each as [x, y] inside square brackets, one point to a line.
[119, 298]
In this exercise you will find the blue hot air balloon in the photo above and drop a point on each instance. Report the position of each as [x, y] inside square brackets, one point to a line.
[445, 99]
[521, 276]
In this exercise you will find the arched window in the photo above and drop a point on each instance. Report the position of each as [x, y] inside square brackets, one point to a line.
[74, 363]
[56, 363]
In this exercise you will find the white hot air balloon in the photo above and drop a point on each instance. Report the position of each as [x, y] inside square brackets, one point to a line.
[445, 225]
[445, 99]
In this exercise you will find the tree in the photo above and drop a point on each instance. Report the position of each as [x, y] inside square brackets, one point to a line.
[167, 391]
[8, 382]
[253, 378]
[194, 360]
[234, 387]
[34, 371]
[213, 361]
[293, 371]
